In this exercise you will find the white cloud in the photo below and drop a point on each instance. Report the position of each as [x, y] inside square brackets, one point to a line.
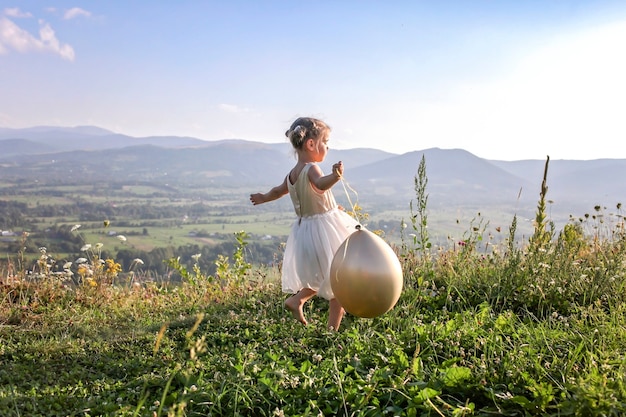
[16, 12]
[52, 43]
[76, 12]
[12, 37]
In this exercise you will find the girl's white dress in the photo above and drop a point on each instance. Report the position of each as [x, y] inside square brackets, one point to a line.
[315, 237]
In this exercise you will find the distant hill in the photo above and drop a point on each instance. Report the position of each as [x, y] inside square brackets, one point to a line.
[456, 178]
[588, 183]
[17, 147]
[61, 139]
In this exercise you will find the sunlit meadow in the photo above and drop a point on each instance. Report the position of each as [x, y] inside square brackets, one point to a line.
[481, 329]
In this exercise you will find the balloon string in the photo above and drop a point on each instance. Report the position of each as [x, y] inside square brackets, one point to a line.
[346, 186]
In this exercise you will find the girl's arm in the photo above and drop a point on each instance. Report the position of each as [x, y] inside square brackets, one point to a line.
[324, 182]
[273, 194]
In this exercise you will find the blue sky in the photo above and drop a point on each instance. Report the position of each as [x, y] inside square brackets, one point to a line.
[504, 80]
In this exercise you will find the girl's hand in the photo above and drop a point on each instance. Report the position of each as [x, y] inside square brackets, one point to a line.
[257, 199]
[338, 169]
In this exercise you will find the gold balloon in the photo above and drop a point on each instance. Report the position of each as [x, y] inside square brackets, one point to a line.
[366, 275]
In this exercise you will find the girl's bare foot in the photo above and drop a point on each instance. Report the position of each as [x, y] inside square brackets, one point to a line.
[295, 306]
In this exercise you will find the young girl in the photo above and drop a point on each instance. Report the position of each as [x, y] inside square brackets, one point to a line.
[321, 226]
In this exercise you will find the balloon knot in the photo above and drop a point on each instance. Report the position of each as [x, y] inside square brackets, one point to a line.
[358, 227]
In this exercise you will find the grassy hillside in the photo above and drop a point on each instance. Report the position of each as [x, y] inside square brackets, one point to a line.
[532, 330]
[531, 327]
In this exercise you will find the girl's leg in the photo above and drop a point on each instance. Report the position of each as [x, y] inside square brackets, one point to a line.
[296, 302]
[335, 314]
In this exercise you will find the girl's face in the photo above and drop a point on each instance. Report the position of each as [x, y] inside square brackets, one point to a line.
[321, 148]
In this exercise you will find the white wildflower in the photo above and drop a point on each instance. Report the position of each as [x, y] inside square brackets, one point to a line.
[67, 265]
[81, 260]
[196, 257]
[121, 238]
[75, 228]
[294, 381]
[137, 261]
[504, 395]
[99, 245]
[85, 247]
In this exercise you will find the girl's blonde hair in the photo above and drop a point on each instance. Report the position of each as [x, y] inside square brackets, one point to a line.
[305, 128]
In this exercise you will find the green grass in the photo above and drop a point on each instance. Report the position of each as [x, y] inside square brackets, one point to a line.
[529, 332]
[248, 356]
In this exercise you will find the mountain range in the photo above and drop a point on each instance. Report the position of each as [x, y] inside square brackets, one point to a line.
[382, 180]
